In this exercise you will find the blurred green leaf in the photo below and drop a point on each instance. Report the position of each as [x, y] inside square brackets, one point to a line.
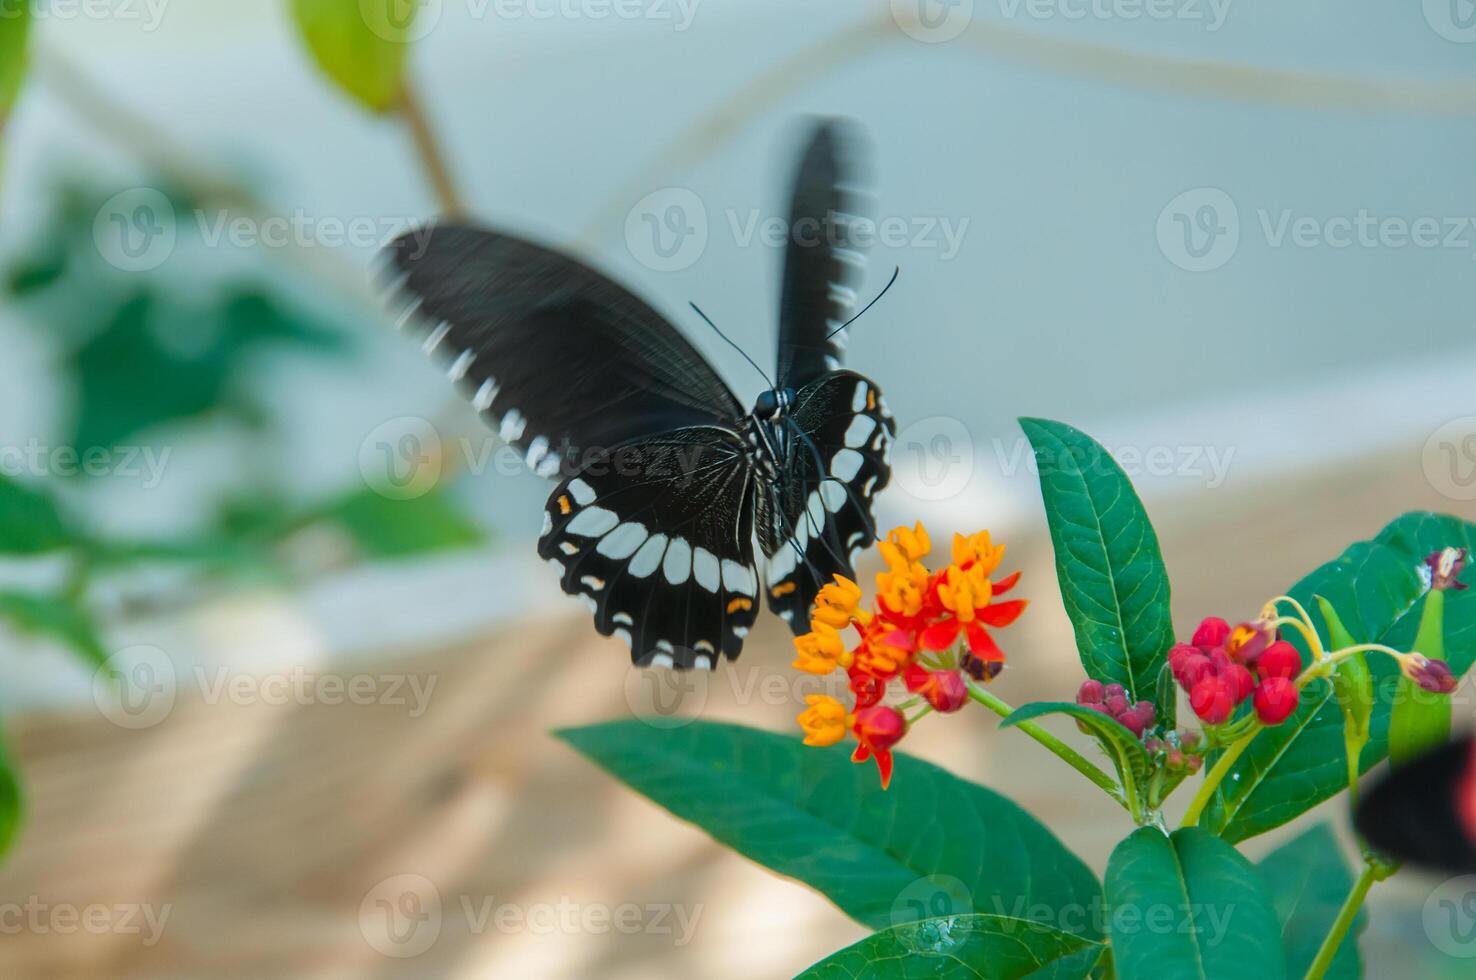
[385, 528]
[11, 800]
[30, 521]
[360, 44]
[1308, 880]
[15, 25]
[54, 617]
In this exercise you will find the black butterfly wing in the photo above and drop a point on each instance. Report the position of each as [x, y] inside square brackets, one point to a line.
[561, 360]
[812, 525]
[825, 261]
[1425, 811]
[657, 537]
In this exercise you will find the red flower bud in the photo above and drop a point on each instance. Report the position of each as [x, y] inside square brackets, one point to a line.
[1212, 699]
[1116, 704]
[1241, 680]
[1114, 691]
[1213, 632]
[943, 689]
[1433, 676]
[1091, 692]
[1280, 660]
[1193, 669]
[1276, 699]
[879, 727]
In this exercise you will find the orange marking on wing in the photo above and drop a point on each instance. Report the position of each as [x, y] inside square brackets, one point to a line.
[871, 400]
[740, 603]
[564, 507]
[783, 589]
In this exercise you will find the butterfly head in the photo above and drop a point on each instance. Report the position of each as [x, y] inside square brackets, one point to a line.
[773, 403]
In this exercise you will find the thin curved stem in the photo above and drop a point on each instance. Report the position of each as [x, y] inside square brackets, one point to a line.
[1342, 923]
[1070, 756]
[428, 148]
[1217, 775]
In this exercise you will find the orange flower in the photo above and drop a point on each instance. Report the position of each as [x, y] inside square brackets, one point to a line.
[913, 635]
[836, 604]
[821, 650]
[824, 721]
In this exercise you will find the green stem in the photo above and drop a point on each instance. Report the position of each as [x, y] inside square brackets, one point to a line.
[1343, 923]
[1218, 774]
[1068, 755]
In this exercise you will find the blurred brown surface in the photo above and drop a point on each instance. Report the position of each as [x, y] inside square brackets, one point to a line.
[263, 828]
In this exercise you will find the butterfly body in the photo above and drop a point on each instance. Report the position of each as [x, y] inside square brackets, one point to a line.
[677, 515]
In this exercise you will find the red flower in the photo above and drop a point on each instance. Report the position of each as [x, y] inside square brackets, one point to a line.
[877, 729]
[1213, 699]
[943, 689]
[1280, 660]
[1213, 632]
[1276, 698]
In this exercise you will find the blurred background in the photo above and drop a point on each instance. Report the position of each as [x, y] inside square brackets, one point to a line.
[1232, 239]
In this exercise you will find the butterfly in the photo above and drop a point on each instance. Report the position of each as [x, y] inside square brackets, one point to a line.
[1425, 811]
[676, 512]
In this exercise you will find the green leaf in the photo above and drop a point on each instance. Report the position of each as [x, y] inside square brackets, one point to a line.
[1113, 582]
[30, 521]
[360, 44]
[15, 26]
[56, 618]
[1123, 747]
[11, 801]
[1189, 906]
[933, 845]
[1419, 720]
[385, 528]
[965, 947]
[1378, 589]
[1308, 881]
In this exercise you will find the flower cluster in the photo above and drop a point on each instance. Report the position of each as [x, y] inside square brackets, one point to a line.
[1112, 701]
[1222, 668]
[926, 629]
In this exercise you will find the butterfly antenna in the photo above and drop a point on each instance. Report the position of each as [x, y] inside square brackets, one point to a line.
[706, 319]
[895, 272]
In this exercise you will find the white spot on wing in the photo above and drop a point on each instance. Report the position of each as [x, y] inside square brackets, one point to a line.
[736, 578]
[678, 565]
[512, 426]
[592, 522]
[583, 492]
[859, 431]
[858, 400]
[485, 395]
[623, 541]
[834, 494]
[705, 569]
[846, 464]
[461, 365]
[436, 336]
[648, 559]
[662, 660]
